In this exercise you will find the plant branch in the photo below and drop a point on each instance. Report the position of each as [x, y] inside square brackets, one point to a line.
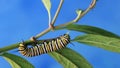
[43, 32]
[28, 42]
[57, 12]
[51, 27]
[13, 46]
[90, 7]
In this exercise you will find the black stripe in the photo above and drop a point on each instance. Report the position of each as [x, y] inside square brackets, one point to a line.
[25, 52]
[67, 40]
[35, 51]
[21, 50]
[45, 48]
[51, 47]
[29, 52]
[57, 44]
[42, 50]
[38, 51]
[61, 42]
[32, 52]
[58, 41]
[64, 40]
[39, 48]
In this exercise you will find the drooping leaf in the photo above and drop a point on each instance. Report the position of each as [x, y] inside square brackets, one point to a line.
[90, 30]
[70, 59]
[16, 61]
[107, 43]
[47, 5]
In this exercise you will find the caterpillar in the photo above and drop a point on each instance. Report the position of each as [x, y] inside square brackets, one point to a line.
[45, 47]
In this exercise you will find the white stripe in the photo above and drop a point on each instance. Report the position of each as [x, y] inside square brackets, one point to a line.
[50, 46]
[43, 48]
[56, 45]
[37, 50]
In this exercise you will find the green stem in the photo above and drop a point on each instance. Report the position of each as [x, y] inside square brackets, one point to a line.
[13, 46]
[7, 48]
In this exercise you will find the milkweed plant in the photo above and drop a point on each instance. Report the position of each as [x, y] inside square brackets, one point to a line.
[93, 36]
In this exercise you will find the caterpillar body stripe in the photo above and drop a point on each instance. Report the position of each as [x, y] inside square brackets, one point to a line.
[45, 47]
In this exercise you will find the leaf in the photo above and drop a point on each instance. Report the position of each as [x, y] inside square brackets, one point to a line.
[16, 61]
[107, 43]
[90, 30]
[70, 59]
[47, 5]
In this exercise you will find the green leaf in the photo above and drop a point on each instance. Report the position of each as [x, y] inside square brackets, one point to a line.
[70, 59]
[16, 61]
[107, 43]
[90, 30]
[47, 5]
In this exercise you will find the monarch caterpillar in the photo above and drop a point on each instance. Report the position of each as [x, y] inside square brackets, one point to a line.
[45, 47]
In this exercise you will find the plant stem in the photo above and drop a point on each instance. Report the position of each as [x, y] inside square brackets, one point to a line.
[53, 21]
[42, 33]
[57, 12]
[13, 46]
[90, 7]
[7, 48]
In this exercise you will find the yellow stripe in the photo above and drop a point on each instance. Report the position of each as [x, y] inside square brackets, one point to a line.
[47, 47]
[59, 44]
[53, 45]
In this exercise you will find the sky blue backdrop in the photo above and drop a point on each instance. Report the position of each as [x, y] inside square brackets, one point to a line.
[21, 19]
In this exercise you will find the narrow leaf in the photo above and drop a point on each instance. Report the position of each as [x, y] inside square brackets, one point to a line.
[16, 61]
[70, 59]
[47, 5]
[90, 30]
[107, 43]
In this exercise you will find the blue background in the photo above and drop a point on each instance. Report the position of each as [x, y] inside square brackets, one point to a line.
[21, 19]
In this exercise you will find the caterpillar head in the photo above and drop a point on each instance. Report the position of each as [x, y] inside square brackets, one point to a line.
[66, 36]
